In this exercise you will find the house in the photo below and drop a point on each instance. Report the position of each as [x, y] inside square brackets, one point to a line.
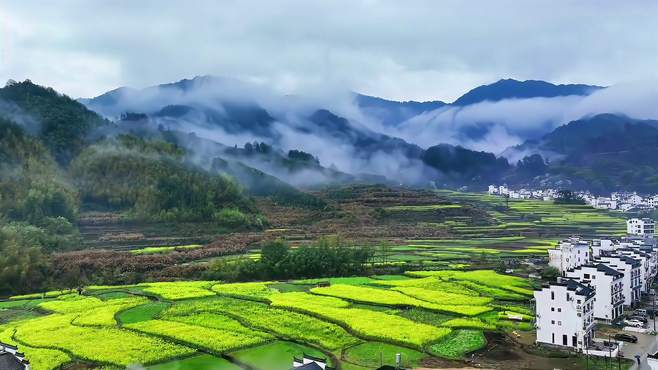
[646, 278]
[607, 283]
[308, 362]
[570, 253]
[644, 226]
[602, 245]
[565, 314]
[630, 267]
[12, 359]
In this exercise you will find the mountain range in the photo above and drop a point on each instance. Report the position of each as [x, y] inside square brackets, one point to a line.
[259, 137]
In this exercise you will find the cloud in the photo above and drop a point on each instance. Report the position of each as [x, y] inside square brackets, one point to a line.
[419, 49]
[495, 126]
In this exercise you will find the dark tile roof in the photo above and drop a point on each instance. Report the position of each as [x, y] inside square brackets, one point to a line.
[10, 362]
[579, 289]
[309, 366]
[608, 270]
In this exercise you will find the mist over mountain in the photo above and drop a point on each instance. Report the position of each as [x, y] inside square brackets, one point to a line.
[354, 137]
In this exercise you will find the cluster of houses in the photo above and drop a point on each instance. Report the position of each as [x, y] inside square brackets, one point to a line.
[598, 280]
[621, 201]
[12, 359]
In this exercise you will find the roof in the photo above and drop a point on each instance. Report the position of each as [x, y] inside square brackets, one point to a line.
[608, 270]
[309, 366]
[628, 260]
[578, 288]
[10, 362]
[599, 267]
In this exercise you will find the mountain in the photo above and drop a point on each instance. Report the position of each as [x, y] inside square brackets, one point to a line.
[61, 123]
[392, 113]
[603, 152]
[513, 89]
[464, 165]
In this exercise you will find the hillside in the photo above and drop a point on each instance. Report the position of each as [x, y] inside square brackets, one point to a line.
[513, 89]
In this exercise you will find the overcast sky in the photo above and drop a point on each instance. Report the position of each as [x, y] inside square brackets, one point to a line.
[403, 50]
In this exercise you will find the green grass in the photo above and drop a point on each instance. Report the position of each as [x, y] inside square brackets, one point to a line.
[374, 354]
[141, 313]
[199, 362]
[163, 249]
[458, 344]
[215, 340]
[277, 355]
[425, 208]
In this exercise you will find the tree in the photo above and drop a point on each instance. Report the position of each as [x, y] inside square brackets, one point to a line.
[568, 197]
[550, 273]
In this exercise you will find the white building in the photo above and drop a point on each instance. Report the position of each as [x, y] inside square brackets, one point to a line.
[630, 267]
[569, 254]
[600, 246]
[310, 363]
[644, 226]
[646, 278]
[607, 284]
[565, 314]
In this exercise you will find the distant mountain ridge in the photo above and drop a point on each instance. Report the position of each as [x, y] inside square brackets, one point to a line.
[514, 89]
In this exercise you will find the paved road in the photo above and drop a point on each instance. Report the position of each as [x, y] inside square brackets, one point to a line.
[645, 344]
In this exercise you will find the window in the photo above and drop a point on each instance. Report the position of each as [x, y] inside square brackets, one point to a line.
[552, 295]
[564, 340]
[552, 309]
[559, 309]
[559, 323]
[586, 276]
[552, 322]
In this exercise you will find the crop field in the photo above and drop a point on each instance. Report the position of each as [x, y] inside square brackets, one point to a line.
[354, 322]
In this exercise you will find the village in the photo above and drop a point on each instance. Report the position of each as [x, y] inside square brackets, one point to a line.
[606, 282]
[618, 201]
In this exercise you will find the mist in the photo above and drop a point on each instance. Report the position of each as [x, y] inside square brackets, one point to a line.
[287, 124]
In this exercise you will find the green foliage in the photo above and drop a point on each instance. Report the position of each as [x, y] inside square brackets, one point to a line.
[103, 345]
[151, 181]
[64, 123]
[214, 340]
[395, 298]
[458, 344]
[276, 355]
[199, 362]
[180, 290]
[327, 257]
[283, 323]
[32, 187]
[364, 323]
[369, 354]
[40, 358]
[140, 313]
[23, 264]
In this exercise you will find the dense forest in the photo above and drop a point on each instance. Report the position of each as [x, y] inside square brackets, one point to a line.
[52, 167]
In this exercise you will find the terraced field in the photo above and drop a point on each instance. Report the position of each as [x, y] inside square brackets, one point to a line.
[354, 322]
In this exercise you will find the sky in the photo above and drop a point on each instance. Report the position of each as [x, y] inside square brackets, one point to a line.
[403, 50]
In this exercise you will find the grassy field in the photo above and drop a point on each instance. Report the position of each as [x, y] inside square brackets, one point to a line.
[357, 322]
[437, 297]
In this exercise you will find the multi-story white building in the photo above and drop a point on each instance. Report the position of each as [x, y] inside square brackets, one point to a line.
[641, 226]
[565, 314]
[646, 278]
[600, 246]
[569, 254]
[630, 267]
[607, 283]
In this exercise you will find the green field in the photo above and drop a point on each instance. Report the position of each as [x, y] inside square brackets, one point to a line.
[357, 322]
